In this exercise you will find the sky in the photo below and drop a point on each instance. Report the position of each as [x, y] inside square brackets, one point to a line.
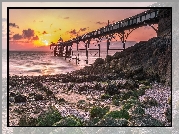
[36, 28]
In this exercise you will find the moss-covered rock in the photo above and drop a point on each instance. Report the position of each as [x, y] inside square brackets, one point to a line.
[115, 102]
[145, 120]
[27, 121]
[97, 111]
[111, 89]
[109, 121]
[50, 117]
[68, 121]
[168, 114]
[118, 114]
[105, 96]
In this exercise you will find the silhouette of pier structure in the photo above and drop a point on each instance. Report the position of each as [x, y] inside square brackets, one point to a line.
[64, 48]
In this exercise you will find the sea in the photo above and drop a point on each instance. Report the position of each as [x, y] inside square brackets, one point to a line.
[45, 63]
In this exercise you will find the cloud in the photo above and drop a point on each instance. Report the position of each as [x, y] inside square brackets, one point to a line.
[17, 37]
[83, 29]
[35, 38]
[44, 32]
[29, 33]
[4, 19]
[41, 21]
[73, 32]
[66, 17]
[13, 25]
[60, 29]
[51, 24]
[101, 23]
[34, 21]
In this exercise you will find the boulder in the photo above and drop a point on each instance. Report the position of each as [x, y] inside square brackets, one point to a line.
[20, 98]
[38, 97]
[98, 61]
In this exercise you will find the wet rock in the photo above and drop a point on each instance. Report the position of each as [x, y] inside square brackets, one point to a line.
[20, 98]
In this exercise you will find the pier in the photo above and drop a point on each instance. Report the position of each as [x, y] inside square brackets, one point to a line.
[64, 48]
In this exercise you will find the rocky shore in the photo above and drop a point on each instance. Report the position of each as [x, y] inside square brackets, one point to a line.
[130, 88]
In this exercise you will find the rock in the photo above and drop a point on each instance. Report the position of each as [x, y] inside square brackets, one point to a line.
[136, 110]
[149, 101]
[20, 98]
[139, 76]
[111, 89]
[105, 96]
[109, 121]
[60, 100]
[98, 111]
[118, 114]
[130, 84]
[68, 121]
[38, 97]
[169, 101]
[50, 117]
[168, 114]
[98, 61]
[127, 95]
[12, 94]
[27, 121]
[145, 120]
[116, 102]
[81, 104]
[11, 99]
[108, 58]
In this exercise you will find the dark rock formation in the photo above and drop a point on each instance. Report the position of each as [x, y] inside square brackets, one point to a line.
[20, 98]
[38, 97]
[164, 25]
